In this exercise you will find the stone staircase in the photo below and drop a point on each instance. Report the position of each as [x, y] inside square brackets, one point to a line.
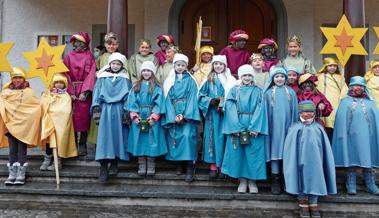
[164, 195]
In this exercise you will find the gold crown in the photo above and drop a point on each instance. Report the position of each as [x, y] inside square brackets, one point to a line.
[255, 56]
[296, 39]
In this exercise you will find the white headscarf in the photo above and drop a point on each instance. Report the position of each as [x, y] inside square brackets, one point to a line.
[116, 56]
[148, 65]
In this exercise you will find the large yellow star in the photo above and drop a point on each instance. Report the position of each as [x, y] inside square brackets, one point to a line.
[4, 50]
[343, 41]
[376, 50]
[45, 61]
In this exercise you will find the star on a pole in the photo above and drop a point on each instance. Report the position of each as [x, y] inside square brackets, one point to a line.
[343, 41]
[5, 66]
[45, 61]
[376, 50]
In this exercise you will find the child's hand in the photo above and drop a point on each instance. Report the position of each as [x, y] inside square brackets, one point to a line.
[195, 68]
[236, 134]
[82, 96]
[253, 134]
[179, 118]
[96, 114]
[151, 121]
[137, 120]
[321, 106]
[126, 118]
[73, 97]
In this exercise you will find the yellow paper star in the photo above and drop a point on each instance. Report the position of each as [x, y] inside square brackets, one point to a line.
[45, 61]
[343, 41]
[4, 50]
[376, 50]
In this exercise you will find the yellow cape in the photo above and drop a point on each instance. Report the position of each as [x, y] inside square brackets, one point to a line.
[373, 82]
[57, 128]
[20, 112]
[202, 72]
[334, 88]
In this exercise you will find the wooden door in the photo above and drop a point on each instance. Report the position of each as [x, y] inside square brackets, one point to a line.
[256, 17]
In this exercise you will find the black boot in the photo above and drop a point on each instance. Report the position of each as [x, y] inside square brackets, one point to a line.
[113, 169]
[103, 174]
[190, 171]
[276, 186]
[82, 150]
[179, 168]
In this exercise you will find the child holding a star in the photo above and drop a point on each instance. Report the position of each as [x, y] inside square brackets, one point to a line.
[57, 130]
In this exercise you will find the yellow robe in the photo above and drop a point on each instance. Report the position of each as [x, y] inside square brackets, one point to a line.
[373, 88]
[57, 127]
[20, 112]
[202, 73]
[334, 87]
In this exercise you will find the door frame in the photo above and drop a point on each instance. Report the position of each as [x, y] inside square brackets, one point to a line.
[277, 5]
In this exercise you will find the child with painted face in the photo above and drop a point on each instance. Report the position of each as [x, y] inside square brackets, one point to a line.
[19, 124]
[136, 60]
[281, 104]
[182, 116]
[261, 77]
[110, 112]
[200, 71]
[372, 78]
[146, 137]
[163, 42]
[309, 91]
[308, 163]
[211, 98]
[57, 130]
[293, 78]
[81, 80]
[268, 48]
[245, 125]
[331, 82]
[356, 136]
[296, 58]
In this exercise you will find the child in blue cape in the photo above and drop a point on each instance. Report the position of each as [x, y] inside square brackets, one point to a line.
[356, 136]
[245, 125]
[182, 116]
[308, 163]
[281, 103]
[211, 100]
[110, 112]
[145, 103]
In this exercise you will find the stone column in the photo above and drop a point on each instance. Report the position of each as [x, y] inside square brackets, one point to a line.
[355, 13]
[118, 22]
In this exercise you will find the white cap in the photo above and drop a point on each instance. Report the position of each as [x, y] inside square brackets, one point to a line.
[180, 57]
[148, 65]
[220, 58]
[117, 56]
[245, 69]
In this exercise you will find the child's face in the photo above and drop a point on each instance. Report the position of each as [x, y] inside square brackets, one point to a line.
[170, 55]
[279, 79]
[116, 66]
[218, 67]
[59, 85]
[144, 49]
[292, 76]
[376, 70]
[331, 68]
[306, 115]
[247, 79]
[146, 74]
[206, 57]
[240, 44]
[163, 45]
[293, 48]
[18, 80]
[267, 51]
[357, 90]
[308, 86]
[257, 63]
[111, 46]
[79, 45]
[180, 66]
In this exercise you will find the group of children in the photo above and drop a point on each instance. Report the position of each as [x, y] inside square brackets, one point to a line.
[253, 109]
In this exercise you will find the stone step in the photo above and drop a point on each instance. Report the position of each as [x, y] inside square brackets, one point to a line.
[195, 201]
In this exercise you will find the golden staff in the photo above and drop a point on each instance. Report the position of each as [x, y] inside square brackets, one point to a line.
[199, 26]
